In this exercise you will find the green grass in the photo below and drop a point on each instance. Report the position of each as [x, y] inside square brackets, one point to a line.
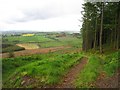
[51, 44]
[89, 73]
[23, 39]
[63, 41]
[111, 63]
[47, 71]
[70, 40]
[11, 64]
[108, 63]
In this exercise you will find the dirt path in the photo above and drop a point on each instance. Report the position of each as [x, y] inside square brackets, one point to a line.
[108, 82]
[35, 51]
[71, 75]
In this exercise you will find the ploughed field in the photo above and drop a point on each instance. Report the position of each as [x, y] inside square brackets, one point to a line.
[35, 51]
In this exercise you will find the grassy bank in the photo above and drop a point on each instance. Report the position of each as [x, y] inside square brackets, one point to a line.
[89, 73]
[108, 63]
[38, 71]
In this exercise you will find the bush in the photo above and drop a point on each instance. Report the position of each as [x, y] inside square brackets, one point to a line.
[4, 45]
[11, 54]
[12, 48]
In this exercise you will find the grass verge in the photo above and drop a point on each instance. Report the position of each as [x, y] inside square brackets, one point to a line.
[45, 72]
[89, 73]
[111, 63]
[108, 63]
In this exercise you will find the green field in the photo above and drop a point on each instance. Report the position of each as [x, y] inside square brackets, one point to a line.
[24, 39]
[40, 41]
[63, 41]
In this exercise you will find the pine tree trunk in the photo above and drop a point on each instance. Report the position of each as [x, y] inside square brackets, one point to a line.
[87, 27]
[86, 35]
[101, 30]
[115, 32]
[95, 34]
[118, 32]
[111, 41]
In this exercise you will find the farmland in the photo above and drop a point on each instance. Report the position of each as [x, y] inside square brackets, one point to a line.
[39, 41]
[24, 39]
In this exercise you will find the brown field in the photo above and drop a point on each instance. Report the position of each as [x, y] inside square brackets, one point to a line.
[34, 51]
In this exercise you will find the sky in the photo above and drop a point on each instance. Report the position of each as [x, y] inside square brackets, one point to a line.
[41, 15]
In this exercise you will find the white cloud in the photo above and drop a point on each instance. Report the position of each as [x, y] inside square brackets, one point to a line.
[47, 15]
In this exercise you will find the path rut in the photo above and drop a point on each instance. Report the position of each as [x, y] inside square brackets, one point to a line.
[72, 74]
[108, 82]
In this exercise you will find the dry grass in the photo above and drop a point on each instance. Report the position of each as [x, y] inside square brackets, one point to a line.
[28, 45]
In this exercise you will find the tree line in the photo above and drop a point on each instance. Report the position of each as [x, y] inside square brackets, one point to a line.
[101, 25]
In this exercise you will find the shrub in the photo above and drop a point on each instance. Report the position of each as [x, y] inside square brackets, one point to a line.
[11, 54]
[12, 48]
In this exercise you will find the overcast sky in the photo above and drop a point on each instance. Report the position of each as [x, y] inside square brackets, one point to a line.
[40, 15]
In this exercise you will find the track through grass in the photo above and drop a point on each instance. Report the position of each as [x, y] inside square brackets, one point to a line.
[45, 72]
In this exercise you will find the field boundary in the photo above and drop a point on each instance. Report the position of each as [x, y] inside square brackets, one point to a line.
[34, 51]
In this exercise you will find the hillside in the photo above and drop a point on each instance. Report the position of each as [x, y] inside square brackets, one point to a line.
[89, 59]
